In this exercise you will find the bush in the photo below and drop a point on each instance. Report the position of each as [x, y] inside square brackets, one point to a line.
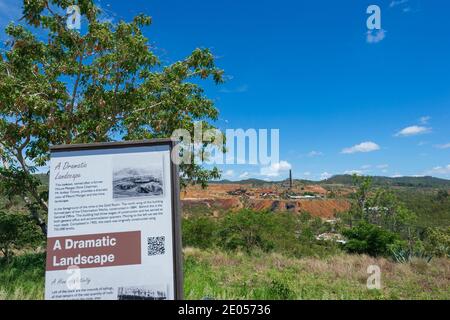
[280, 290]
[438, 241]
[369, 239]
[17, 232]
[199, 232]
[252, 231]
[246, 230]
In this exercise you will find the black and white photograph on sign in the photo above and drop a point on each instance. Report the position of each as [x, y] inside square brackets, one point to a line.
[141, 293]
[138, 176]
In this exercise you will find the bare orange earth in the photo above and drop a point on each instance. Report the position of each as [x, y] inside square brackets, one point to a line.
[217, 196]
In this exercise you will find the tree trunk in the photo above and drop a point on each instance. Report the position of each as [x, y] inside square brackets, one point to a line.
[36, 216]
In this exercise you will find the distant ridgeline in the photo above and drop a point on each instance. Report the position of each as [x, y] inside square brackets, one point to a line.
[417, 182]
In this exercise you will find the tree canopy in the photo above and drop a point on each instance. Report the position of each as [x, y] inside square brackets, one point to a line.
[101, 83]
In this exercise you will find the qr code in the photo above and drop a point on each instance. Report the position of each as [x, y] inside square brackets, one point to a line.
[156, 245]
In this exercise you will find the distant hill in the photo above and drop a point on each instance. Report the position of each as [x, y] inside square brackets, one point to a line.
[246, 181]
[414, 182]
[258, 182]
[43, 177]
[417, 182]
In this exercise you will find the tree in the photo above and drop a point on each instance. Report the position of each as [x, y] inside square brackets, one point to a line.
[101, 83]
[16, 232]
[370, 239]
[438, 241]
[357, 211]
[247, 230]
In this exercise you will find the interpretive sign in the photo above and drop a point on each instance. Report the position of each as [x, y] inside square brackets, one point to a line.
[114, 222]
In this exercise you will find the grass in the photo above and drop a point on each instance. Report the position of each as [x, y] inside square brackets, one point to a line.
[221, 275]
[23, 277]
[273, 276]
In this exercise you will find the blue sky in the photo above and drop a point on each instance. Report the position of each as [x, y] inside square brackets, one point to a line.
[307, 68]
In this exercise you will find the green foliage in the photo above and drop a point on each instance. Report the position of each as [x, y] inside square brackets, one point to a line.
[404, 255]
[431, 209]
[99, 84]
[17, 232]
[378, 213]
[247, 230]
[279, 290]
[369, 239]
[22, 277]
[199, 232]
[438, 241]
[363, 187]
[253, 231]
[442, 195]
[409, 182]
[266, 276]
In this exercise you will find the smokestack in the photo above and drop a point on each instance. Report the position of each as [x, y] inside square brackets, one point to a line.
[290, 179]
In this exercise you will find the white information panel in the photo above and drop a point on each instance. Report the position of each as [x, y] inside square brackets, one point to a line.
[111, 223]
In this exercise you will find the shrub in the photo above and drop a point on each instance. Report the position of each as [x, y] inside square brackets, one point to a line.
[438, 241]
[199, 232]
[369, 239]
[246, 230]
[17, 231]
[280, 290]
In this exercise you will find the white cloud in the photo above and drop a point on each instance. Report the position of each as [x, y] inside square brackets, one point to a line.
[352, 172]
[424, 119]
[443, 146]
[229, 173]
[325, 175]
[440, 170]
[375, 36]
[275, 169]
[367, 146]
[366, 166]
[307, 174]
[382, 166]
[244, 175]
[413, 131]
[315, 154]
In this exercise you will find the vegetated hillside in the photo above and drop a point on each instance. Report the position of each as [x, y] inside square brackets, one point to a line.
[431, 210]
[417, 182]
[418, 193]
[43, 177]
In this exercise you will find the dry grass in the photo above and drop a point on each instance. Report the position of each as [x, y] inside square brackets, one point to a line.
[336, 277]
[223, 275]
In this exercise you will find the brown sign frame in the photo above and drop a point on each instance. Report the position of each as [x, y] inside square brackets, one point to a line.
[175, 192]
